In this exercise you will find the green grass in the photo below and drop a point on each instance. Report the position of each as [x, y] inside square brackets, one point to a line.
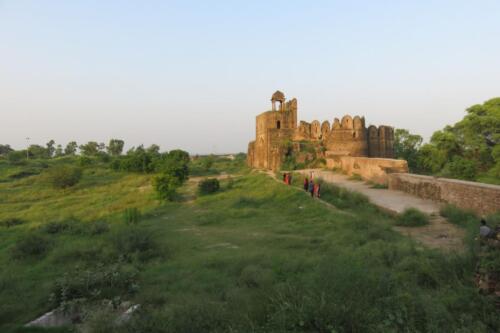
[257, 256]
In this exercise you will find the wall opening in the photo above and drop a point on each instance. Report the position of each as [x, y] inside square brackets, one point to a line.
[278, 124]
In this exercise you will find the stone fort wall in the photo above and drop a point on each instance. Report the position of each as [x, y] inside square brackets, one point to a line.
[376, 170]
[277, 129]
[481, 198]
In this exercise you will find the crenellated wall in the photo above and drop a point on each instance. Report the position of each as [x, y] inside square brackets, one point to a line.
[345, 137]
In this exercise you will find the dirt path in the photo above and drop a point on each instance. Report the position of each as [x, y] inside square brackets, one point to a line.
[439, 233]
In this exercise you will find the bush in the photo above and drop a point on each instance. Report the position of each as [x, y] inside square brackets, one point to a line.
[412, 217]
[98, 227]
[55, 227]
[166, 186]
[100, 282]
[63, 176]
[30, 245]
[208, 186]
[457, 216]
[131, 215]
[11, 222]
[133, 241]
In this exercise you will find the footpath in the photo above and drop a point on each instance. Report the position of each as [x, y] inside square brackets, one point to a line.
[439, 233]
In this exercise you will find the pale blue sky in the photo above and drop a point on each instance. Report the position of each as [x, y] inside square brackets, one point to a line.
[194, 74]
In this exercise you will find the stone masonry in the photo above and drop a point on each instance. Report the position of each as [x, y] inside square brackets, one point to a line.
[278, 135]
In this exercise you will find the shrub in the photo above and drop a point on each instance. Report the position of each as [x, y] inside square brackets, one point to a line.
[11, 222]
[63, 176]
[98, 227]
[55, 227]
[457, 216]
[412, 217]
[30, 245]
[131, 215]
[208, 186]
[166, 186]
[102, 281]
[133, 241]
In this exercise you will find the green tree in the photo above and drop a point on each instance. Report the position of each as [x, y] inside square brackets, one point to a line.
[115, 147]
[430, 159]
[406, 146]
[166, 186]
[50, 148]
[59, 151]
[37, 151]
[71, 148]
[5, 149]
[91, 148]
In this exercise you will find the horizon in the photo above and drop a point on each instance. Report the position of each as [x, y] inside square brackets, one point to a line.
[194, 75]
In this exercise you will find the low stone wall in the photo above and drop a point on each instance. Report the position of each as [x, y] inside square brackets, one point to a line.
[478, 197]
[373, 169]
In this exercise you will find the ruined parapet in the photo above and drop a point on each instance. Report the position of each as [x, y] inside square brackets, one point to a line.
[325, 129]
[373, 141]
[303, 132]
[386, 141]
[315, 130]
[347, 137]
[250, 153]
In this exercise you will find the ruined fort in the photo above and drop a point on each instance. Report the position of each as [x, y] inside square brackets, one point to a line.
[279, 138]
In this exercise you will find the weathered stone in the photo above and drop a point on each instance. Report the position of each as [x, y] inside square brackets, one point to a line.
[478, 197]
[277, 130]
[52, 318]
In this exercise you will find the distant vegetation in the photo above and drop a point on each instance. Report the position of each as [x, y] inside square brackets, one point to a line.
[468, 150]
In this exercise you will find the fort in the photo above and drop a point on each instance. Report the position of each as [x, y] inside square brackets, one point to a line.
[346, 144]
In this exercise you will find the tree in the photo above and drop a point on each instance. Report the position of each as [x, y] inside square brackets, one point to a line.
[50, 148]
[37, 151]
[70, 148]
[174, 163]
[406, 146]
[115, 147]
[5, 149]
[59, 151]
[91, 148]
[166, 186]
[430, 159]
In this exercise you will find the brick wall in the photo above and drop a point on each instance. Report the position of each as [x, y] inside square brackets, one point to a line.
[478, 197]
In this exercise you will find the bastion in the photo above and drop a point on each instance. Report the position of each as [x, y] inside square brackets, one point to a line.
[346, 144]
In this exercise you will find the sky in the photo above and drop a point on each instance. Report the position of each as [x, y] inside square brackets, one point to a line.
[194, 74]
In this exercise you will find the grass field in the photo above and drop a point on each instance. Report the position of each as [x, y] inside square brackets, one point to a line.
[258, 256]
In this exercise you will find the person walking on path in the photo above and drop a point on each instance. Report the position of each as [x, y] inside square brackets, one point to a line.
[306, 184]
[284, 178]
[289, 179]
[311, 188]
[317, 187]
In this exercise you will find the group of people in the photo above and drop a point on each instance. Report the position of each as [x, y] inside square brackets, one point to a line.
[287, 178]
[309, 185]
[313, 188]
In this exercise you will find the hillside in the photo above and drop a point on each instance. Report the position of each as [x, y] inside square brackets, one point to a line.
[257, 256]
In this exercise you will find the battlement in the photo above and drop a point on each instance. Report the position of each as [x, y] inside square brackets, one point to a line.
[346, 137]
